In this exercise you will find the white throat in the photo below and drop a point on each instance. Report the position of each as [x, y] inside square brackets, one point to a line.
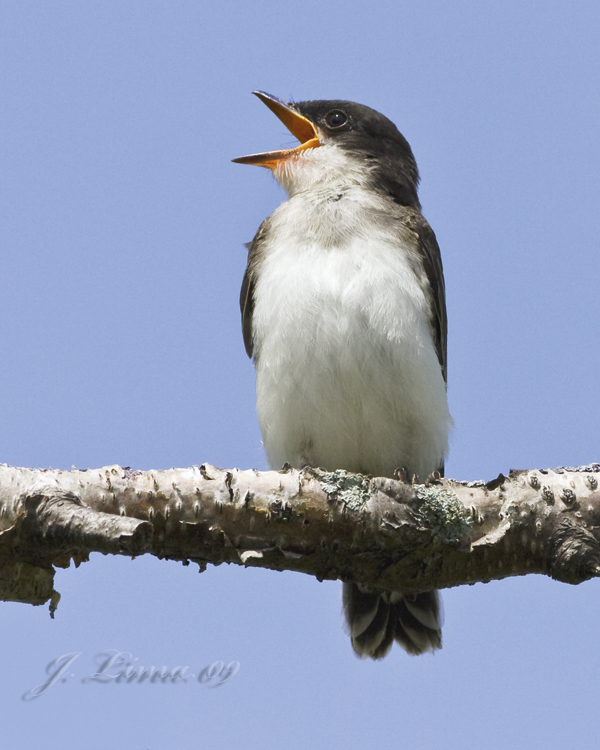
[325, 168]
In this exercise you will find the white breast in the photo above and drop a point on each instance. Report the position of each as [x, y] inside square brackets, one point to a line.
[347, 373]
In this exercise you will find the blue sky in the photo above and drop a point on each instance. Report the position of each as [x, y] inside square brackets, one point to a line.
[123, 230]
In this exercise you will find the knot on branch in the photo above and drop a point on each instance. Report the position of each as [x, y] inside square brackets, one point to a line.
[574, 554]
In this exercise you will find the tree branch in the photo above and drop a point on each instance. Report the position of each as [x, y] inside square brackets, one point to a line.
[385, 533]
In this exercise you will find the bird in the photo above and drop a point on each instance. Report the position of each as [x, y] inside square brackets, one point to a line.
[344, 315]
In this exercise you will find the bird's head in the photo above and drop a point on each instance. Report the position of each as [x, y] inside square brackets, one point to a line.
[340, 143]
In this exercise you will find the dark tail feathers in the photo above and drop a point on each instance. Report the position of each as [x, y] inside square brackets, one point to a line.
[375, 621]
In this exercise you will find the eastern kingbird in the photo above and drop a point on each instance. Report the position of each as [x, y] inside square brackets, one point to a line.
[344, 313]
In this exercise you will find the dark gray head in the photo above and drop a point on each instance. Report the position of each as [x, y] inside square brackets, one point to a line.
[364, 135]
[369, 135]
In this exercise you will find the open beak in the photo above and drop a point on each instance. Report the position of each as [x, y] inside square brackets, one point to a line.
[299, 127]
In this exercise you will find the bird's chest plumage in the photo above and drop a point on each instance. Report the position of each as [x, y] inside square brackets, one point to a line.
[347, 374]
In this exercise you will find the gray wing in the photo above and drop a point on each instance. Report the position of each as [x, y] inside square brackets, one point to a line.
[432, 265]
[248, 284]
[246, 308]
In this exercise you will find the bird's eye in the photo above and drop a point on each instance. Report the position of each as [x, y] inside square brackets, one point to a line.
[336, 118]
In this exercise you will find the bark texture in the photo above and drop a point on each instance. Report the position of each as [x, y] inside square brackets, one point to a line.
[387, 533]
